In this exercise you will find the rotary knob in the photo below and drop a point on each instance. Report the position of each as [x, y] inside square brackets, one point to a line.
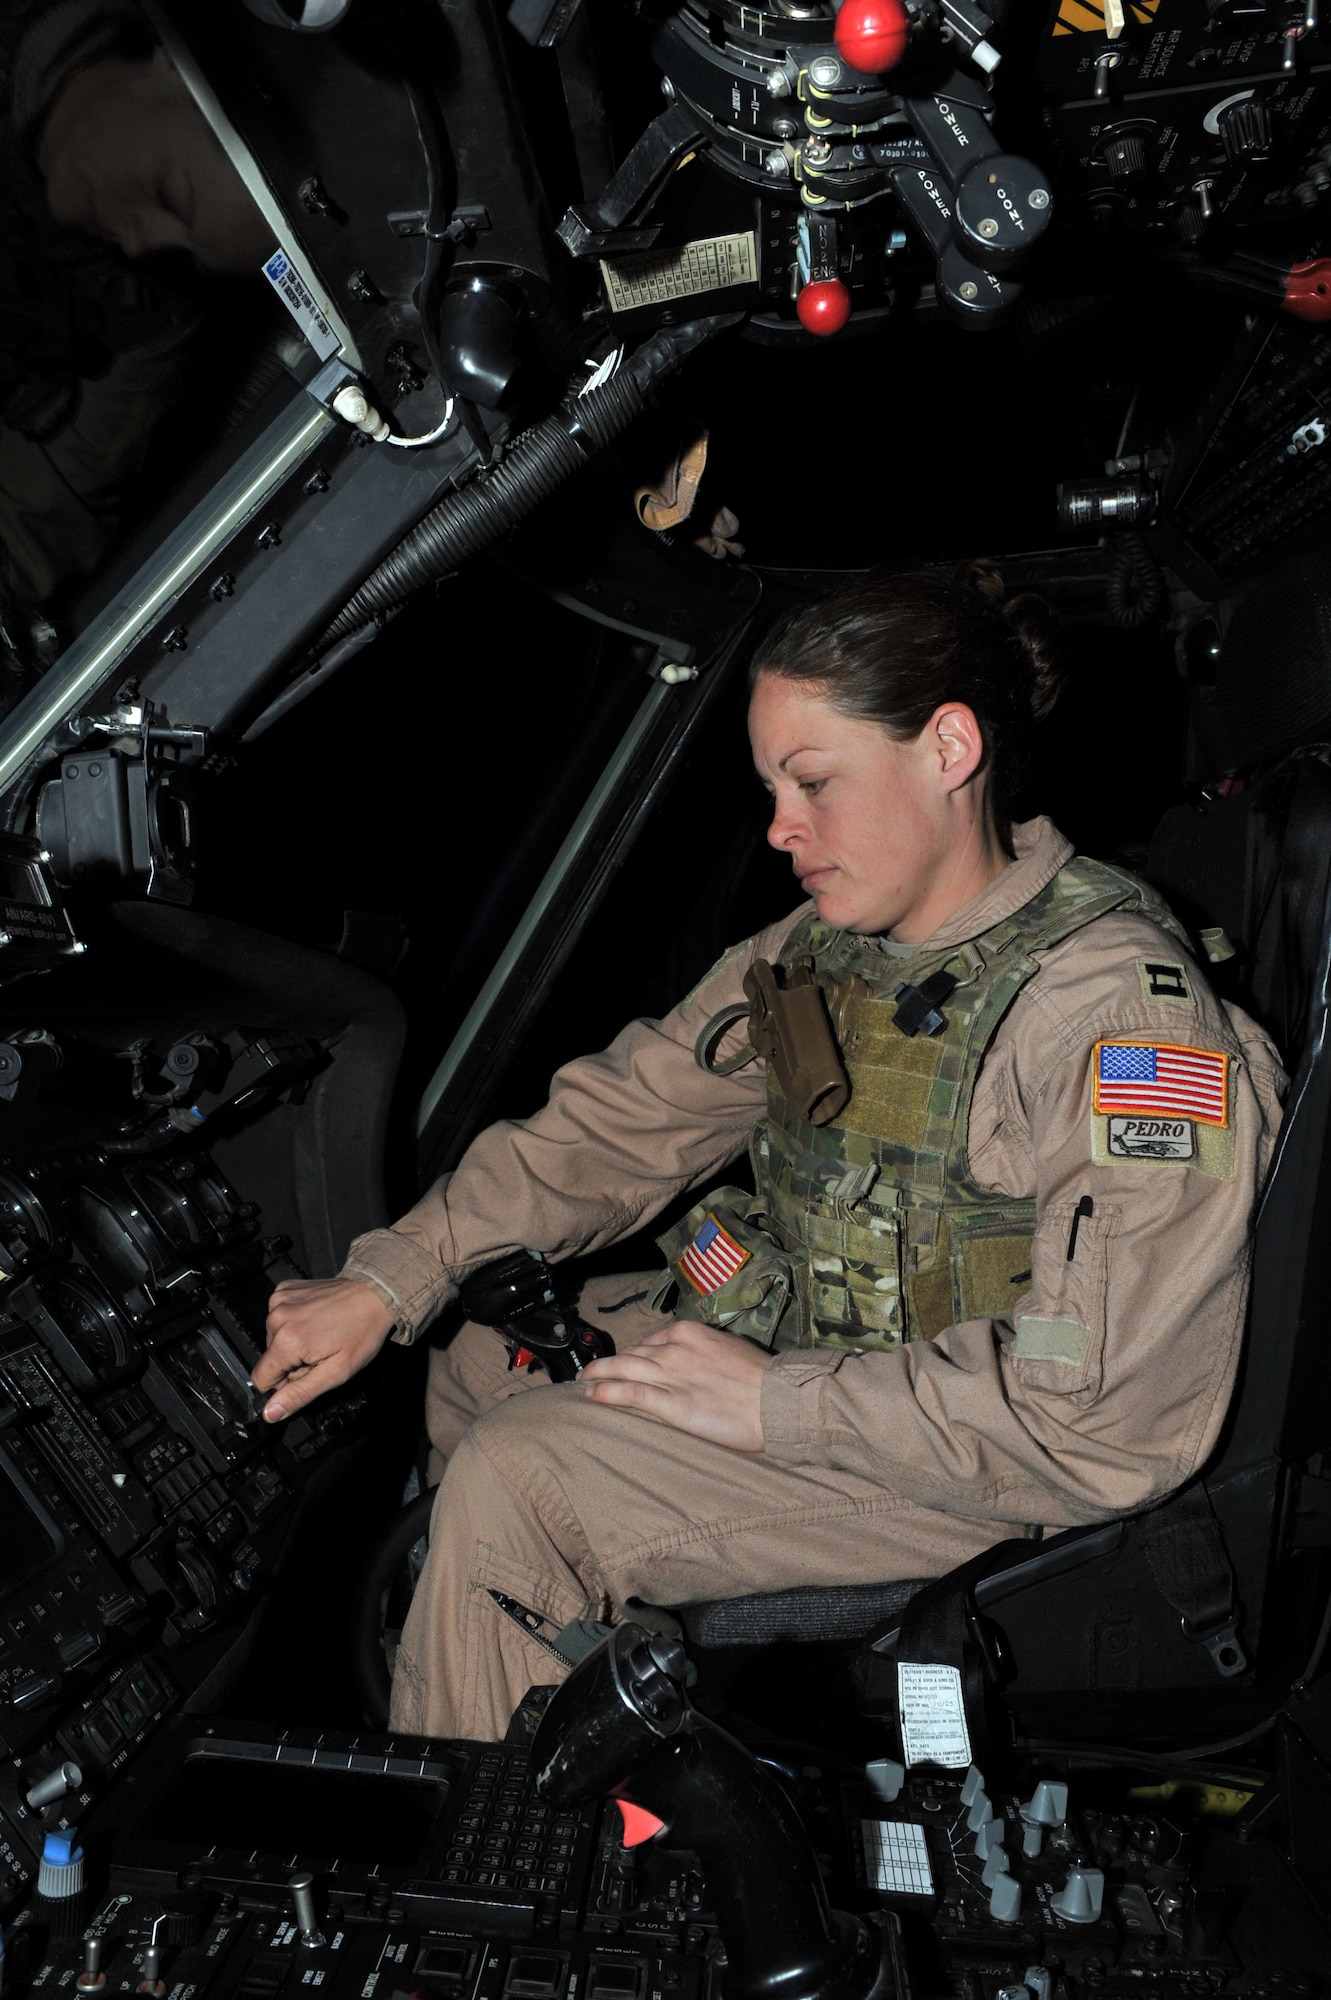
[1126, 160]
[1247, 130]
[1002, 209]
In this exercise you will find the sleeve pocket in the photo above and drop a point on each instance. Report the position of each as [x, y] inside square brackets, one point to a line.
[1059, 1326]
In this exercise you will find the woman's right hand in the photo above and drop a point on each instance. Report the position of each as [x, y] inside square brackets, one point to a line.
[321, 1331]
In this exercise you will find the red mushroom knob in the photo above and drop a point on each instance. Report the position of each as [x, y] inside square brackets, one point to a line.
[823, 307]
[871, 35]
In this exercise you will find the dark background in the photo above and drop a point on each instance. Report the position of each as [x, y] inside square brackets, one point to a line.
[427, 782]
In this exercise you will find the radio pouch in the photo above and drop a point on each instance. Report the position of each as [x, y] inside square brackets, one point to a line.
[728, 1271]
[791, 1029]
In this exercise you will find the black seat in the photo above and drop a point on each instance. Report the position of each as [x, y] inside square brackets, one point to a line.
[1094, 1622]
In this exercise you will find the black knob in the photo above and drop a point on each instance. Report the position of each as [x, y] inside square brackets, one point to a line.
[1247, 130]
[1126, 159]
[1002, 209]
[971, 297]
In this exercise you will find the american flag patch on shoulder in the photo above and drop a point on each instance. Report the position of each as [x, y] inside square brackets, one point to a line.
[1163, 1079]
[712, 1257]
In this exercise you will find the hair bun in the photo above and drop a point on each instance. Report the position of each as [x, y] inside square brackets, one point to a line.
[985, 577]
[1034, 628]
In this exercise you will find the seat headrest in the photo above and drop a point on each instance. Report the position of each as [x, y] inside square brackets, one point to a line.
[1273, 676]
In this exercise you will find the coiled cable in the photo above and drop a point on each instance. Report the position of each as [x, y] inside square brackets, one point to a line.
[1135, 592]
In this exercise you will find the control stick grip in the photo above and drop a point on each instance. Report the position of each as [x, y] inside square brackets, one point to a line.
[622, 1722]
[516, 1296]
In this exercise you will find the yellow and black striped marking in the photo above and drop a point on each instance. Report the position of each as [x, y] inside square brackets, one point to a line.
[1084, 17]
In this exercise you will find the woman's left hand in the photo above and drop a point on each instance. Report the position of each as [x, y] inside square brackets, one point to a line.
[691, 1377]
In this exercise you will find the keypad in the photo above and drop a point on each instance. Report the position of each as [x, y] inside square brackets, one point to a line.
[504, 1837]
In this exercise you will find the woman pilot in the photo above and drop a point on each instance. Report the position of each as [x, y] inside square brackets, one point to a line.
[994, 1271]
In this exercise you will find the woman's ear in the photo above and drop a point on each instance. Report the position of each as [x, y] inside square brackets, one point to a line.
[958, 742]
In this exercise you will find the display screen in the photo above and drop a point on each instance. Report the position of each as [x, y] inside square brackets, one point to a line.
[349, 1816]
[21, 883]
[28, 1543]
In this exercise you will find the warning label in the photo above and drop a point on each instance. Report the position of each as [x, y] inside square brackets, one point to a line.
[933, 1714]
[655, 277]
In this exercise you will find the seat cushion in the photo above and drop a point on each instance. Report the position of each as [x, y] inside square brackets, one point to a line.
[803, 1617]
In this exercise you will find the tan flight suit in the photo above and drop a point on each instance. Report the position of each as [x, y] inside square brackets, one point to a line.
[878, 1464]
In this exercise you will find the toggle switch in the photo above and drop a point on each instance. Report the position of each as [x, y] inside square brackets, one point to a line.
[301, 1886]
[91, 1978]
[151, 1981]
[65, 1778]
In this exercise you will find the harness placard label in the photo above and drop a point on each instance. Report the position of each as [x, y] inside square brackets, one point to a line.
[657, 277]
[1152, 1138]
[301, 303]
[933, 1715]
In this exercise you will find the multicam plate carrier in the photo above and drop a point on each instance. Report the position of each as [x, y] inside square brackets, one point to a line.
[870, 1231]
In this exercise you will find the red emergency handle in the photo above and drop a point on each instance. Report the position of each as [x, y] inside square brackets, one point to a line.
[1308, 290]
[824, 306]
[871, 35]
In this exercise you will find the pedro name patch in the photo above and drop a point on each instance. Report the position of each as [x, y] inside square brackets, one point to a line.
[1161, 1080]
[712, 1257]
[1152, 1138]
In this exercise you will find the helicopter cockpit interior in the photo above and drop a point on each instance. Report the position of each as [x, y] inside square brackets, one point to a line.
[411, 414]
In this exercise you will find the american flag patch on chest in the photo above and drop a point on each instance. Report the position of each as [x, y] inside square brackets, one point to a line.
[1162, 1078]
[712, 1257]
